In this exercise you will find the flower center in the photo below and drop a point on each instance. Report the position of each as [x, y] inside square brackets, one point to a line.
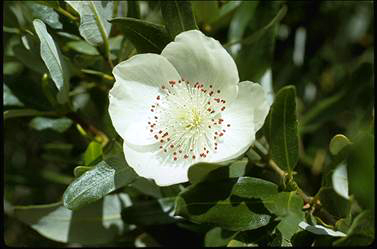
[186, 120]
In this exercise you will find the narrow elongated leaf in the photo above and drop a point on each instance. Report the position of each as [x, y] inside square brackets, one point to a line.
[94, 16]
[282, 129]
[145, 36]
[57, 124]
[178, 16]
[239, 199]
[53, 59]
[45, 13]
[21, 113]
[9, 99]
[106, 176]
[288, 207]
[96, 223]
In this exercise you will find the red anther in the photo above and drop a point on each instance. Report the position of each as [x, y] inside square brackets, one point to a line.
[221, 134]
[223, 108]
[161, 141]
[185, 156]
[165, 134]
[172, 146]
[215, 143]
[151, 130]
[149, 122]
[223, 130]
[160, 146]
[155, 136]
[160, 132]
[210, 93]
[152, 110]
[155, 117]
[208, 102]
[212, 111]
[175, 158]
[193, 156]
[209, 109]
[158, 97]
[216, 132]
[172, 81]
[207, 151]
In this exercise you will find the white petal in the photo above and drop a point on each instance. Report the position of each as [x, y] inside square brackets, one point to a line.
[150, 162]
[246, 115]
[137, 84]
[199, 58]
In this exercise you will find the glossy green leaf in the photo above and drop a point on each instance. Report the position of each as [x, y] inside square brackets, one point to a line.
[361, 232]
[94, 16]
[334, 203]
[239, 199]
[205, 11]
[93, 153]
[282, 129]
[154, 212]
[56, 124]
[178, 16]
[53, 59]
[106, 176]
[320, 230]
[287, 206]
[218, 237]
[337, 143]
[96, 223]
[360, 171]
[145, 36]
[207, 171]
[44, 13]
[9, 99]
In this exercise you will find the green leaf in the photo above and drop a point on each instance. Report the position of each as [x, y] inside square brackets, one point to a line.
[93, 153]
[12, 68]
[96, 223]
[133, 10]
[217, 237]
[79, 170]
[241, 19]
[94, 16]
[147, 213]
[147, 187]
[205, 11]
[44, 13]
[320, 230]
[178, 16]
[282, 129]
[22, 113]
[208, 171]
[9, 99]
[333, 202]
[232, 204]
[108, 175]
[53, 59]
[56, 124]
[337, 143]
[82, 47]
[360, 170]
[361, 232]
[256, 53]
[29, 58]
[287, 206]
[145, 36]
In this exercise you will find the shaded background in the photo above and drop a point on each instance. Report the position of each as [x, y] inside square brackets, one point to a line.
[324, 48]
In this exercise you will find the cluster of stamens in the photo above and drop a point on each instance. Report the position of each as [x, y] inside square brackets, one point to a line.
[186, 119]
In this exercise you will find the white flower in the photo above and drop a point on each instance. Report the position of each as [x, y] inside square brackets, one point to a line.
[183, 107]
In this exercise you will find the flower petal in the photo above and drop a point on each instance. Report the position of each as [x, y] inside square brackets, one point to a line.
[202, 59]
[246, 115]
[150, 162]
[137, 84]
